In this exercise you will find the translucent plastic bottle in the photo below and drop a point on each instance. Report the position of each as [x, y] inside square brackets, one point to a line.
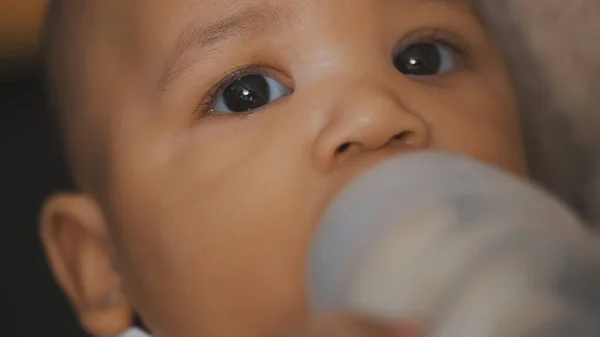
[466, 249]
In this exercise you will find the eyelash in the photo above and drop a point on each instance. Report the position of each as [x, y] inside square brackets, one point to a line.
[436, 36]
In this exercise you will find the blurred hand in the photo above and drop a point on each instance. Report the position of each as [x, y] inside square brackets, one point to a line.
[347, 326]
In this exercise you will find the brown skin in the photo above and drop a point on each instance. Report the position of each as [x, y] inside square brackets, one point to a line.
[201, 221]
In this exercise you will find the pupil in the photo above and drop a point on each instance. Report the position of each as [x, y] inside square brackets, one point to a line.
[419, 59]
[247, 93]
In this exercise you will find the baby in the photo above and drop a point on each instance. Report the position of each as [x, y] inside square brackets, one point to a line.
[207, 137]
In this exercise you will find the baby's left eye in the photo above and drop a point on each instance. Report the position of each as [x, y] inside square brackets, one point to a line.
[425, 59]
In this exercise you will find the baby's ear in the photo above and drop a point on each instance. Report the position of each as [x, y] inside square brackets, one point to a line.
[74, 235]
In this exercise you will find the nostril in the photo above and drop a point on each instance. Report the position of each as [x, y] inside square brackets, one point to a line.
[343, 148]
[402, 136]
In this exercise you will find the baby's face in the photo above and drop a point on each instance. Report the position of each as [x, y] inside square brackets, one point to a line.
[230, 125]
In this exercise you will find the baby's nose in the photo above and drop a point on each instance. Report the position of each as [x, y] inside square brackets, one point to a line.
[366, 119]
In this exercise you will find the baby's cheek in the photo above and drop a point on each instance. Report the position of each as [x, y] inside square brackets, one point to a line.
[221, 249]
[479, 119]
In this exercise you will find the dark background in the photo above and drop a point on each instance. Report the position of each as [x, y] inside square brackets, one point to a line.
[31, 168]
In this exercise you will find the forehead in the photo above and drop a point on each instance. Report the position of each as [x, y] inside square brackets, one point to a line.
[154, 29]
[158, 19]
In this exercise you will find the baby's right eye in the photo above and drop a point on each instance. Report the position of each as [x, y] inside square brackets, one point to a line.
[248, 93]
[426, 59]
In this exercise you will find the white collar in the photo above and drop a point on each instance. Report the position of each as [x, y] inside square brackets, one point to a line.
[134, 332]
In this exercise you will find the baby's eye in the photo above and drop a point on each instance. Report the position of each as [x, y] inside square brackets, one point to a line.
[250, 92]
[425, 59]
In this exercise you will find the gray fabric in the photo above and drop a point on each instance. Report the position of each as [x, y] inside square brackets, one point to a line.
[553, 51]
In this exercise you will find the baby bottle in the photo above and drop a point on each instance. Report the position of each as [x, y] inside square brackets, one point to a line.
[462, 247]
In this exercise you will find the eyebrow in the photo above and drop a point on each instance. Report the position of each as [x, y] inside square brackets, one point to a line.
[200, 39]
